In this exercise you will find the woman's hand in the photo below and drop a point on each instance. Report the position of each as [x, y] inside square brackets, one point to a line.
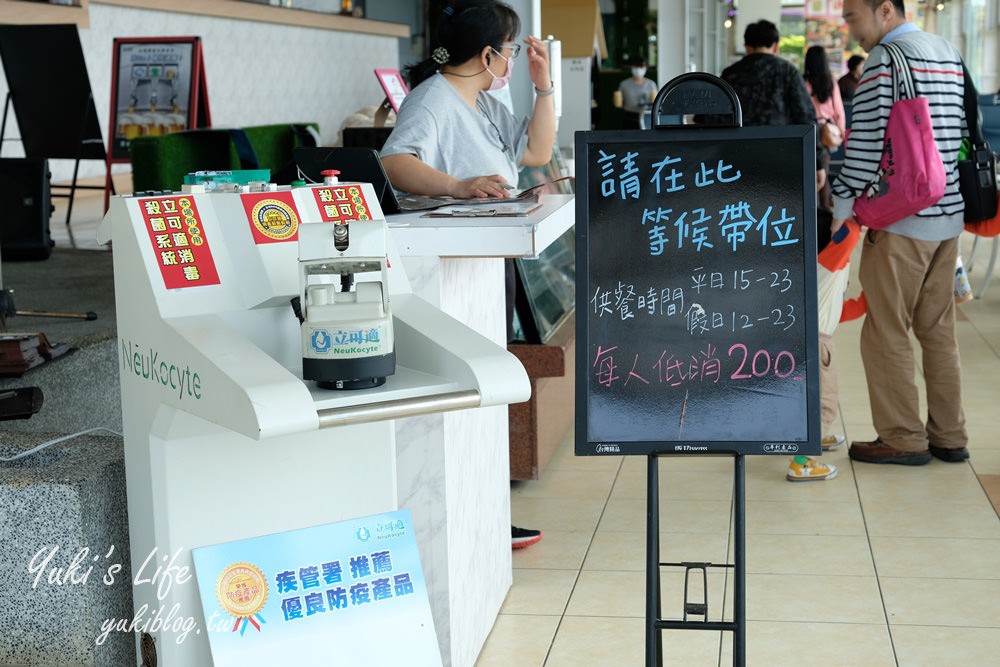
[408, 173]
[538, 63]
[479, 187]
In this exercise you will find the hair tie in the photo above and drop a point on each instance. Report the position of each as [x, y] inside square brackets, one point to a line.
[440, 55]
[449, 11]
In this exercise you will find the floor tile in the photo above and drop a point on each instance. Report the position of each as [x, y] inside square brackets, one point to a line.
[518, 640]
[558, 550]
[598, 641]
[985, 462]
[809, 554]
[936, 646]
[920, 518]
[566, 514]
[942, 602]
[567, 484]
[937, 482]
[790, 644]
[937, 557]
[804, 518]
[813, 598]
[991, 485]
[676, 516]
[983, 440]
[539, 592]
[676, 484]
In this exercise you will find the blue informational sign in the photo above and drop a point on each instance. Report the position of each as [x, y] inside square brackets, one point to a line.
[348, 593]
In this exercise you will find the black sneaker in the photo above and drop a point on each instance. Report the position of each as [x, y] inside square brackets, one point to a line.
[523, 537]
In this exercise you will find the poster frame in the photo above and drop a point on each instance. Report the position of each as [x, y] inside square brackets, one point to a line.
[198, 112]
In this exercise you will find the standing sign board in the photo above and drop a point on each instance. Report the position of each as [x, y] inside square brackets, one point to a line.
[157, 87]
[50, 89]
[347, 593]
[696, 251]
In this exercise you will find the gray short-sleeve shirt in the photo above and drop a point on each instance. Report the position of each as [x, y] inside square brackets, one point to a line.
[635, 96]
[436, 125]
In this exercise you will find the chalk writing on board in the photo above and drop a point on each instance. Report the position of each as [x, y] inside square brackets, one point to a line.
[735, 224]
[702, 367]
[698, 297]
[620, 176]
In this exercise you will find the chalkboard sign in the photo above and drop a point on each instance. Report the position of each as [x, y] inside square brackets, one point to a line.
[50, 89]
[696, 299]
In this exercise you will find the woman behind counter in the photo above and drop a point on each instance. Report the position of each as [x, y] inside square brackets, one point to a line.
[453, 138]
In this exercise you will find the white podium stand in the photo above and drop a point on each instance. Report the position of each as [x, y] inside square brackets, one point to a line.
[453, 469]
[223, 438]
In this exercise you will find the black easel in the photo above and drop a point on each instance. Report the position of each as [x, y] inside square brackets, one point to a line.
[738, 626]
[49, 90]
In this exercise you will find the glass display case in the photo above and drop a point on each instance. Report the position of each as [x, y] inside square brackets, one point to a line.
[546, 287]
[546, 291]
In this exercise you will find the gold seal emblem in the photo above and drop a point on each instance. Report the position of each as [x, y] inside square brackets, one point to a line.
[242, 590]
[275, 219]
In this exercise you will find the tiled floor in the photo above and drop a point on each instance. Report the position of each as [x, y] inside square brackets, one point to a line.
[881, 566]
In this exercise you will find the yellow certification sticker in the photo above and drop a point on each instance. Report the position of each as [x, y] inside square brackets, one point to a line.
[275, 219]
[272, 215]
[242, 592]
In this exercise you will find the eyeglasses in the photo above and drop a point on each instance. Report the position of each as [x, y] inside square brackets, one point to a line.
[516, 48]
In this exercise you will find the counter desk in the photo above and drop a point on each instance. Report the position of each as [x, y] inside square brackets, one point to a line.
[452, 468]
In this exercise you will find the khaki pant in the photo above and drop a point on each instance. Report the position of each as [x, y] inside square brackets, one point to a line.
[829, 392]
[910, 284]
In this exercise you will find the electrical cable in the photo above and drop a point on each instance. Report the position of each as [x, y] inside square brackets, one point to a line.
[63, 438]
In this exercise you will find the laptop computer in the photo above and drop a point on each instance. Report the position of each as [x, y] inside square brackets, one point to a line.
[364, 166]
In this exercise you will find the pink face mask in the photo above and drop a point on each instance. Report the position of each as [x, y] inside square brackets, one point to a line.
[501, 81]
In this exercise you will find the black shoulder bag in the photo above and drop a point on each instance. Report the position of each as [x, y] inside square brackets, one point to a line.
[977, 173]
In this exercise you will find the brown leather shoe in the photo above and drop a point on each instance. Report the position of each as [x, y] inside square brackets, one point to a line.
[877, 451]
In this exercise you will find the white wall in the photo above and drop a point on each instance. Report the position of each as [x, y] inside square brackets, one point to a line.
[257, 73]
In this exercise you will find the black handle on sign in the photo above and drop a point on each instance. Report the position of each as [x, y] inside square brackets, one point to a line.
[696, 93]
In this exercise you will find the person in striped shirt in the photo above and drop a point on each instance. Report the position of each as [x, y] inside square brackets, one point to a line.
[907, 270]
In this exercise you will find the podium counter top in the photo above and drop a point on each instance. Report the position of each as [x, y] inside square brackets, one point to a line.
[482, 236]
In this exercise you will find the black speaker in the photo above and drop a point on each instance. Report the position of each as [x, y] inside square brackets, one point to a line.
[25, 209]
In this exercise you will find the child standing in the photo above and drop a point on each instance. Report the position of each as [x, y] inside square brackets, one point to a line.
[834, 261]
